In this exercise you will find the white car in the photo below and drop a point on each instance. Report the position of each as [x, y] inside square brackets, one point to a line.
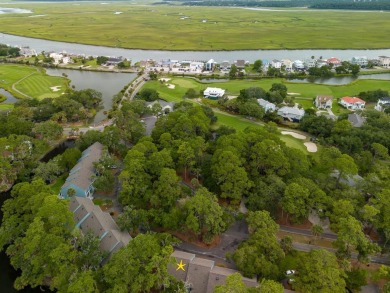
[290, 274]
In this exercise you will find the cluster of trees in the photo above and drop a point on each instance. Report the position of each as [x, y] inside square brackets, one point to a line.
[49, 252]
[246, 103]
[7, 51]
[347, 67]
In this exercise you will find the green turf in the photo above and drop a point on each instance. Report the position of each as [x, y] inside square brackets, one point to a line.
[31, 81]
[156, 27]
[4, 107]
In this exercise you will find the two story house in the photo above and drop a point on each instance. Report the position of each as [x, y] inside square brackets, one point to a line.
[352, 103]
[323, 102]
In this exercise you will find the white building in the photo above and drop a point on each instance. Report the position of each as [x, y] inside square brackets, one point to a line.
[382, 103]
[266, 105]
[384, 61]
[298, 65]
[59, 58]
[287, 63]
[276, 64]
[352, 103]
[213, 93]
[323, 102]
[209, 66]
[291, 113]
[310, 63]
[362, 61]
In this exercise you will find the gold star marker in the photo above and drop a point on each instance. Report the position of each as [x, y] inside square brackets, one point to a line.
[180, 266]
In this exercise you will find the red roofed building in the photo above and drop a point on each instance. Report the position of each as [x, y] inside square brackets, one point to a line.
[352, 103]
[335, 61]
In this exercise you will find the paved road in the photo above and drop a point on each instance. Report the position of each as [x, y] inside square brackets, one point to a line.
[306, 232]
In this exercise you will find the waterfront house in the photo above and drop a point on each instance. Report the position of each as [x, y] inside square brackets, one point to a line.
[266, 105]
[112, 61]
[352, 103]
[265, 65]
[310, 63]
[209, 66]
[240, 64]
[224, 66]
[89, 218]
[382, 104]
[334, 61]
[213, 93]
[291, 113]
[323, 102]
[276, 64]
[321, 62]
[362, 61]
[287, 63]
[81, 176]
[298, 65]
[384, 61]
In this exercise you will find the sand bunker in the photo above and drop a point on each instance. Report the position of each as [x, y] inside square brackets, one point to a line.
[294, 134]
[293, 94]
[55, 88]
[311, 147]
[164, 79]
[171, 86]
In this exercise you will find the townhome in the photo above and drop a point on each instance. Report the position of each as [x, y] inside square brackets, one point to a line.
[323, 102]
[352, 103]
[81, 176]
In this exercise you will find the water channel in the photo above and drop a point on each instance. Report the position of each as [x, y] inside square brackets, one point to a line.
[219, 56]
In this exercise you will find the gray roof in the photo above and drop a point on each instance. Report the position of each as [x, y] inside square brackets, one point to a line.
[291, 110]
[81, 174]
[264, 103]
[162, 103]
[201, 274]
[323, 99]
[89, 217]
[356, 120]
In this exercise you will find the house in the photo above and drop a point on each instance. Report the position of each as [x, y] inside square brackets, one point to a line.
[352, 103]
[334, 61]
[298, 65]
[265, 65]
[287, 63]
[90, 218]
[166, 107]
[224, 66]
[196, 66]
[323, 102]
[209, 66]
[356, 120]
[362, 61]
[291, 113]
[59, 58]
[310, 63]
[201, 275]
[240, 64]
[213, 93]
[266, 105]
[382, 103]
[321, 62]
[27, 52]
[112, 61]
[276, 64]
[80, 177]
[384, 61]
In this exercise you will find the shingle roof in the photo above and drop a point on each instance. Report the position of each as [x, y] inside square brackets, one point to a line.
[323, 99]
[352, 100]
[81, 174]
[356, 120]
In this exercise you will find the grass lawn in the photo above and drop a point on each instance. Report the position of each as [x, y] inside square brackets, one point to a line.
[31, 81]
[156, 27]
[4, 107]
[56, 186]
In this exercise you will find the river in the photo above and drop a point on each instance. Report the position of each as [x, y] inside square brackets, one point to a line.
[136, 55]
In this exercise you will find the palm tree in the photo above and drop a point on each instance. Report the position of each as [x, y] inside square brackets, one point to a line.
[71, 192]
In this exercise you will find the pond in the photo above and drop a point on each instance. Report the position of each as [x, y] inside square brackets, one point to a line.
[108, 83]
[341, 80]
[10, 98]
[7, 10]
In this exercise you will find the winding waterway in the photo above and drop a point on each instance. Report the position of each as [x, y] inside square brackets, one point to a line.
[219, 56]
